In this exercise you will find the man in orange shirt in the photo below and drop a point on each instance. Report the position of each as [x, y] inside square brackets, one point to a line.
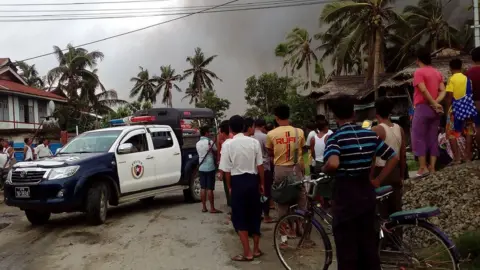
[285, 144]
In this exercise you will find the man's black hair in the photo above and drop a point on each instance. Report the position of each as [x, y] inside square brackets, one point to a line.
[204, 130]
[282, 111]
[456, 64]
[342, 107]
[311, 126]
[224, 127]
[41, 140]
[236, 123]
[260, 122]
[476, 55]
[321, 121]
[26, 140]
[383, 107]
[248, 123]
[424, 56]
[269, 126]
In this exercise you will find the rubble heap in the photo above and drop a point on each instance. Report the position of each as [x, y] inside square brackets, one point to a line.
[455, 190]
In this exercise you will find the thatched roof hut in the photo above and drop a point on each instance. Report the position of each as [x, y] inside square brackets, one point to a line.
[440, 60]
[354, 86]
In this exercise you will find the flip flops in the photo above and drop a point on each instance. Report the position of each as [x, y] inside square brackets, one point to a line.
[258, 255]
[241, 258]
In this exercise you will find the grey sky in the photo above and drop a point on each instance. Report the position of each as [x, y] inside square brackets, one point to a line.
[244, 42]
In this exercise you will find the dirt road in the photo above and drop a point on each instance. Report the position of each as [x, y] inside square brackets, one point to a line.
[168, 234]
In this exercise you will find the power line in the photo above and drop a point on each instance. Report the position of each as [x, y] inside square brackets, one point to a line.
[153, 13]
[80, 3]
[139, 29]
[304, 3]
[141, 9]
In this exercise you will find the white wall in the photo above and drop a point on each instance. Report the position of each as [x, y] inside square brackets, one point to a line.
[14, 115]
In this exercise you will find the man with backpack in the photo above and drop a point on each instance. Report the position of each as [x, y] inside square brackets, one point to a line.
[205, 148]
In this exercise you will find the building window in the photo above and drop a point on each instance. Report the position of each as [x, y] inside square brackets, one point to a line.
[42, 109]
[26, 111]
[4, 114]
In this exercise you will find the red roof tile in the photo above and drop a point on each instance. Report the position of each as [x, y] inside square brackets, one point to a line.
[23, 89]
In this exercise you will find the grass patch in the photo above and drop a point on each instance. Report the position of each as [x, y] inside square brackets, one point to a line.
[468, 245]
[412, 165]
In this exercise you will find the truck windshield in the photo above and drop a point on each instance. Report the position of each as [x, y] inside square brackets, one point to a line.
[92, 142]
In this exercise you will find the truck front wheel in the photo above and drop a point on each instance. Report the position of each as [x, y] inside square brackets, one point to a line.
[192, 194]
[97, 203]
[37, 218]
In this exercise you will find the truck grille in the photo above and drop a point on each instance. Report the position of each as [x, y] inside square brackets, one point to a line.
[26, 176]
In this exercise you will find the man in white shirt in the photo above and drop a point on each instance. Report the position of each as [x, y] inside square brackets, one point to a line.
[42, 149]
[241, 160]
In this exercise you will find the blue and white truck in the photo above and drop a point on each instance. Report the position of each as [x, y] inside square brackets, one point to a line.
[110, 166]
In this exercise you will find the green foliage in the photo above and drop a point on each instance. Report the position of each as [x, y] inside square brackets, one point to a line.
[218, 105]
[137, 106]
[468, 245]
[269, 90]
[264, 93]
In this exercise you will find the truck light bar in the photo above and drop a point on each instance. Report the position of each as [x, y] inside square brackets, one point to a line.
[132, 120]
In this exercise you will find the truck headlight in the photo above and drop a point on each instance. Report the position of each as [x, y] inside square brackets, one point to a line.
[63, 172]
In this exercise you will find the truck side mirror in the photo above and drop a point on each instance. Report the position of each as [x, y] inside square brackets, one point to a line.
[125, 148]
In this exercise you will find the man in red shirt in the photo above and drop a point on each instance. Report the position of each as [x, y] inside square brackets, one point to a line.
[474, 75]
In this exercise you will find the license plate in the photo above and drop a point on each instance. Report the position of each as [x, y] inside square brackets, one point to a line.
[22, 192]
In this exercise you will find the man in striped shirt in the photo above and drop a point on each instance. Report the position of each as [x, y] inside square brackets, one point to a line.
[350, 152]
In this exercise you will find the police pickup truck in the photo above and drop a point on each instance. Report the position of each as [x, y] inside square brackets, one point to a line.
[106, 167]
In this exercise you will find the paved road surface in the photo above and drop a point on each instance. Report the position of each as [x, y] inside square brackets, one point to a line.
[168, 234]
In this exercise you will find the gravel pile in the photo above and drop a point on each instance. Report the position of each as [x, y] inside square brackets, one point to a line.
[455, 190]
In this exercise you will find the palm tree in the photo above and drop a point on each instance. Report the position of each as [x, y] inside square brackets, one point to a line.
[300, 53]
[98, 102]
[166, 81]
[282, 51]
[331, 39]
[192, 93]
[30, 75]
[363, 24]
[429, 23]
[201, 76]
[74, 68]
[144, 87]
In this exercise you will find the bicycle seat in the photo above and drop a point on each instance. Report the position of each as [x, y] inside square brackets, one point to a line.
[383, 190]
[419, 213]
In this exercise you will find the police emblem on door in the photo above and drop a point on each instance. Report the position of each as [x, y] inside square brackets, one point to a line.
[137, 169]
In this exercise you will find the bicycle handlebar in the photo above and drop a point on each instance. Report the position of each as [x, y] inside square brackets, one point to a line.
[321, 177]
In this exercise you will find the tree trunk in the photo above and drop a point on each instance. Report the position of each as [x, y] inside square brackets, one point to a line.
[199, 89]
[371, 61]
[376, 67]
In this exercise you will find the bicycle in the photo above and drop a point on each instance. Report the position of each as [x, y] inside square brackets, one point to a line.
[395, 236]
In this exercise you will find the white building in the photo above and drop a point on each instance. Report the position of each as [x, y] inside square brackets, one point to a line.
[22, 108]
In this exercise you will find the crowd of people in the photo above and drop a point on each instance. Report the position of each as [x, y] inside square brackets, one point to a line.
[254, 155]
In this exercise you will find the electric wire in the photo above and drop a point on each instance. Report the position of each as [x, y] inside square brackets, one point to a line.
[72, 17]
[136, 30]
[143, 9]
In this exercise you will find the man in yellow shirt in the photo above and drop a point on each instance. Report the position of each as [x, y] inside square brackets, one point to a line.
[457, 89]
[285, 144]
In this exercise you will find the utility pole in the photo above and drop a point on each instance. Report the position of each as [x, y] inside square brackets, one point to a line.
[476, 25]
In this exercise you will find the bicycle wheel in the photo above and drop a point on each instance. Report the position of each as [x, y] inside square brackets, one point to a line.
[416, 244]
[301, 244]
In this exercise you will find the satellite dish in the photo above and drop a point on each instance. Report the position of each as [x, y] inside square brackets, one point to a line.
[50, 108]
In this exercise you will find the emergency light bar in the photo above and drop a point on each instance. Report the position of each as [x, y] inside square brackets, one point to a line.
[132, 120]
